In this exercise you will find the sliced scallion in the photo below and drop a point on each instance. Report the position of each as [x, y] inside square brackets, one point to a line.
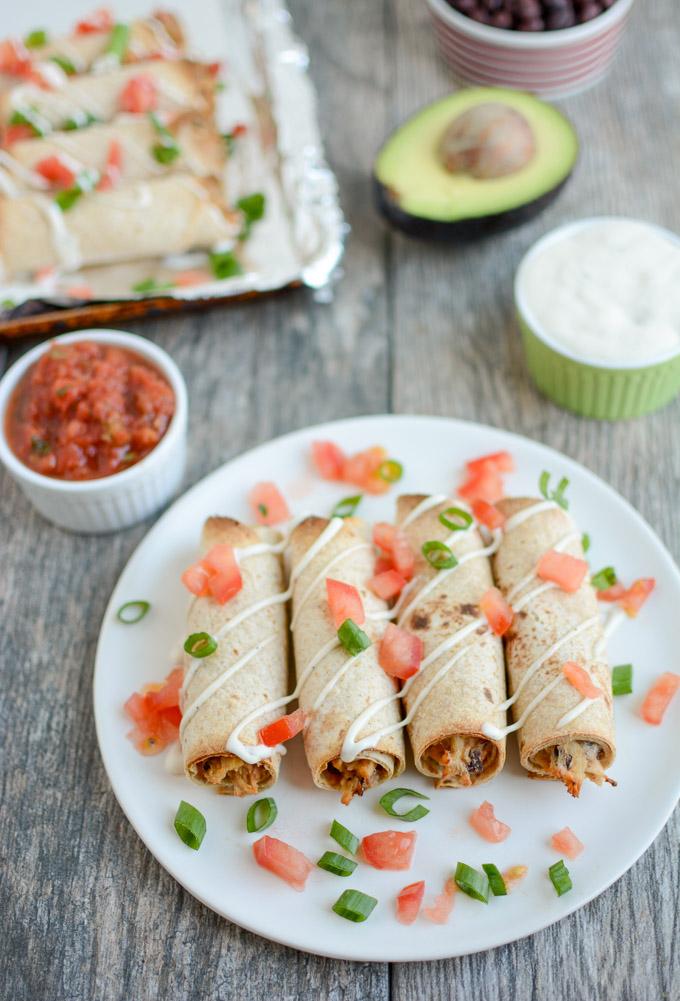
[346, 507]
[337, 864]
[150, 285]
[390, 470]
[455, 519]
[132, 611]
[556, 495]
[344, 838]
[585, 542]
[118, 42]
[36, 39]
[472, 882]
[604, 579]
[496, 881]
[79, 121]
[438, 555]
[261, 815]
[394, 795]
[622, 679]
[352, 638]
[33, 119]
[560, 878]
[166, 150]
[200, 645]
[190, 825]
[224, 264]
[252, 207]
[85, 181]
[65, 64]
[354, 905]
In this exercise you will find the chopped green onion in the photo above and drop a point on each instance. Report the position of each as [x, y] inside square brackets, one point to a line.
[559, 877]
[622, 679]
[79, 121]
[347, 506]
[7, 304]
[390, 798]
[554, 495]
[85, 181]
[438, 555]
[33, 119]
[496, 881]
[190, 825]
[130, 456]
[118, 42]
[390, 470]
[261, 815]
[151, 285]
[585, 542]
[224, 264]
[263, 509]
[36, 39]
[462, 518]
[132, 611]
[64, 63]
[472, 882]
[40, 446]
[200, 645]
[167, 150]
[352, 638]
[344, 838]
[337, 864]
[252, 207]
[604, 579]
[354, 905]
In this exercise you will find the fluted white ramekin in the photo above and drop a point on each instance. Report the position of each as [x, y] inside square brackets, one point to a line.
[122, 499]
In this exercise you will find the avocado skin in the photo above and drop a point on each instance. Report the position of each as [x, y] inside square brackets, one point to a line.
[460, 230]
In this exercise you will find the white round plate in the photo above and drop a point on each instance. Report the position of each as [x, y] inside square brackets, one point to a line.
[616, 825]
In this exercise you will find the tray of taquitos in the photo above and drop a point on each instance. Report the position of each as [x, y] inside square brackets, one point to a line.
[157, 160]
[430, 688]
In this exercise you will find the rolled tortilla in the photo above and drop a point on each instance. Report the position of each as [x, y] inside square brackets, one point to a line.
[202, 150]
[166, 215]
[448, 714]
[206, 729]
[181, 86]
[339, 688]
[549, 629]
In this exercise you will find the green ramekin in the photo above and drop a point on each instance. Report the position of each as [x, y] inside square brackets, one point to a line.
[593, 389]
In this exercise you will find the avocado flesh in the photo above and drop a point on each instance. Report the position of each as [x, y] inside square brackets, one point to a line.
[416, 183]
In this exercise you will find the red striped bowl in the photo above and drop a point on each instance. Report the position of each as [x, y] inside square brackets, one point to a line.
[553, 64]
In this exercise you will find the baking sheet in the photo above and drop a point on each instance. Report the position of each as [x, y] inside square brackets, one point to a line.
[268, 88]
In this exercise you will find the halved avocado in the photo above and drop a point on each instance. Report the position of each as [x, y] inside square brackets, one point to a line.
[479, 161]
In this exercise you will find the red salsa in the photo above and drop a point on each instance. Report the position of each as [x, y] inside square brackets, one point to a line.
[86, 410]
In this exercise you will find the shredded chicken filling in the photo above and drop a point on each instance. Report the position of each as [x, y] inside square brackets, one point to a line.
[459, 760]
[572, 763]
[355, 777]
[230, 773]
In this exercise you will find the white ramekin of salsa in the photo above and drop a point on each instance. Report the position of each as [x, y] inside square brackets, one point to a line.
[94, 428]
[598, 302]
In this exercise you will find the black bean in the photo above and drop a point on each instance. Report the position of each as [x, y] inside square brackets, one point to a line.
[503, 19]
[532, 15]
[560, 19]
[589, 11]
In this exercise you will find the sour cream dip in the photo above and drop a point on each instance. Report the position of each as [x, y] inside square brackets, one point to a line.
[606, 290]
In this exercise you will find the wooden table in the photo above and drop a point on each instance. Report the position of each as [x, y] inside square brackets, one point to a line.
[87, 912]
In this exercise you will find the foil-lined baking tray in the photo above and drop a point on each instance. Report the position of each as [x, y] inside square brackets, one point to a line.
[267, 88]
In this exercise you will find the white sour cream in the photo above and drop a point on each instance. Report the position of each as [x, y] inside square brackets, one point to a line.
[607, 290]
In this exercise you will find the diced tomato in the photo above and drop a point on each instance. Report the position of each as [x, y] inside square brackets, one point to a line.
[403, 557]
[328, 458]
[500, 462]
[486, 485]
[484, 821]
[400, 653]
[498, 612]
[16, 133]
[139, 95]
[566, 571]
[362, 468]
[98, 20]
[408, 902]
[79, 291]
[389, 849]
[15, 59]
[166, 696]
[611, 594]
[384, 535]
[514, 875]
[283, 861]
[580, 680]
[636, 595]
[45, 274]
[214, 68]
[225, 576]
[440, 911]
[185, 279]
[345, 602]
[487, 514]
[387, 584]
[56, 171]
[268, 504]
[658, 698]
[566, 843]
[113, 168]
[238, 130]
[383, 564]
[156, 714]
[282, 729]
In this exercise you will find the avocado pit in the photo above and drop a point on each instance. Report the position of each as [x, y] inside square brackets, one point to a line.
[487, 141]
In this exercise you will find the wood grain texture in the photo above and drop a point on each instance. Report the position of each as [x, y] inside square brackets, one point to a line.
[88, 913]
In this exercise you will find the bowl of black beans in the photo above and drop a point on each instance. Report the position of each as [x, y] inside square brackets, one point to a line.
[551, 47]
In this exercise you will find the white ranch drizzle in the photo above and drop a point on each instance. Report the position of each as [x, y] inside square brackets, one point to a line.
[613, 622]
[528, 512]
[7, 186]
[64, 242]
[23, 173]
[425, 505]
[322, 575]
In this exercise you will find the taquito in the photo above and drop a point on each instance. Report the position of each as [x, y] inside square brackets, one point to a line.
[339, 688]
[459, 690]
[248, 669]
[165, 215]
[556, 739]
